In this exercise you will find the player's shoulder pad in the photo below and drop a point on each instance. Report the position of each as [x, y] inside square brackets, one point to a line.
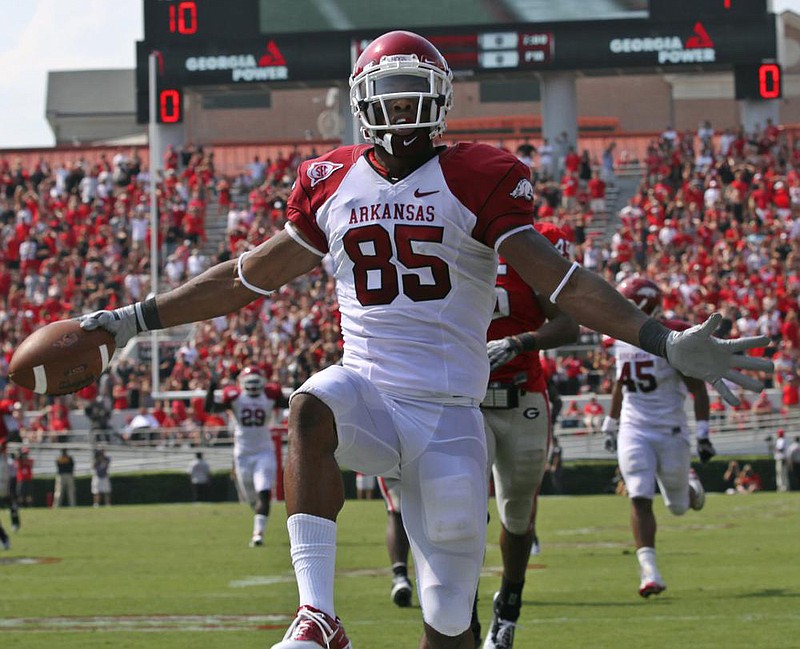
[484, 157]
[550, 230]
[273, 390]
[229, 393]
[557, 236]
[676, 324]
[329, 168]
[488, 181]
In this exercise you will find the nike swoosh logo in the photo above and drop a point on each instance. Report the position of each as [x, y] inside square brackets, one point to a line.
[410, 142]
[419, 194]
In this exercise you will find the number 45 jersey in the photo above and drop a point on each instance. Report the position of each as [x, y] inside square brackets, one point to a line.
[414, 260]
[654, 392]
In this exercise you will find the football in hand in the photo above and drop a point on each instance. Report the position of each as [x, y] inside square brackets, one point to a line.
[61, 358]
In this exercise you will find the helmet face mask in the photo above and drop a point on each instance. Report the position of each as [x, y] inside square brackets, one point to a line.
[401, 84]
[251, 382]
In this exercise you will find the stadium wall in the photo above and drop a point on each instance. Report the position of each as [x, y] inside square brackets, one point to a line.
[578, 478]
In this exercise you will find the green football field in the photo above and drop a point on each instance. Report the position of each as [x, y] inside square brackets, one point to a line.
[174, 576]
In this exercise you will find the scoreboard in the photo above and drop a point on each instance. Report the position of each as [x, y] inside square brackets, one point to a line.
[232, 42]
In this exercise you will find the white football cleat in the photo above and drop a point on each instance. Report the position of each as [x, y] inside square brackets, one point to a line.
[536, 549]
[651, 584]
[257, 541]
[697, 495]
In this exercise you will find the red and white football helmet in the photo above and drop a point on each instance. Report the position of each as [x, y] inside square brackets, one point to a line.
[251, 382]
[643, 292]
[395, 66]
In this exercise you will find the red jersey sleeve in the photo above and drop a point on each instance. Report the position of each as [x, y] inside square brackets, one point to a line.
[494, 185]
[317, 180]
[229, 393]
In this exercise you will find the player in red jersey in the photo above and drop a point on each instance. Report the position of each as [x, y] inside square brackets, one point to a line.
[516, 413]
[413, 230]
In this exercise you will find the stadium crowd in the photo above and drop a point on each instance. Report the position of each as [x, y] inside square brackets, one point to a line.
[713, 222]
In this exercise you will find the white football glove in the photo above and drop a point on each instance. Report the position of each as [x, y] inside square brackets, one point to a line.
[501, 351]
[120, 323]
[695, 352]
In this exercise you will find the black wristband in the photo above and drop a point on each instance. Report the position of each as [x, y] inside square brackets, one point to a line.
[150, 314]
[653, 337]
[527, 341]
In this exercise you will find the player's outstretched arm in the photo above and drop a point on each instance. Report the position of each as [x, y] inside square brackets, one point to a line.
[596, 304]
[217, 291]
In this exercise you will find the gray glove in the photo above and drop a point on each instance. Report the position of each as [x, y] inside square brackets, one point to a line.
[501, 351]
[695, 352]
[120, 323]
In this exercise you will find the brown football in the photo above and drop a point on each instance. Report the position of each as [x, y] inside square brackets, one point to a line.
[61, 358]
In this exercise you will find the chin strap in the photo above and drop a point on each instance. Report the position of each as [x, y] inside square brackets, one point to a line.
[404, 146]
[385, 141]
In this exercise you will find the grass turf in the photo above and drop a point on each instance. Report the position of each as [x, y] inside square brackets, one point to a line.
[174, 576]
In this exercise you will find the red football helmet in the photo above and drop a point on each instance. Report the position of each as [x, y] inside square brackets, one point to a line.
[251, 381]
[642, 292]
[401, 65]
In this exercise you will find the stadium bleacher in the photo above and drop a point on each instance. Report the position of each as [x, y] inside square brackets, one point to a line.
[716, 234]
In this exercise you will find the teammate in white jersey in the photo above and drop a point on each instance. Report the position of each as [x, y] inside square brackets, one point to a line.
[413, 231]
[653, 442]
[251, 405]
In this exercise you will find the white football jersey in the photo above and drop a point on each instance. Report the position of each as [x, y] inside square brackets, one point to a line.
[414, 260]
[252, 417]
[653, 391]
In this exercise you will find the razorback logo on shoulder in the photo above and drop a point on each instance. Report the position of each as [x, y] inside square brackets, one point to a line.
[524, 189]
[319, 171]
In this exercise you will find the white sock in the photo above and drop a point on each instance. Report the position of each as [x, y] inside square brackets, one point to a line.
[259, 524]
[313, 548]
[647, 559]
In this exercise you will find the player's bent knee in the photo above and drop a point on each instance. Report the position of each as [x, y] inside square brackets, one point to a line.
[518, 525]
[446, 611]
[678, 509]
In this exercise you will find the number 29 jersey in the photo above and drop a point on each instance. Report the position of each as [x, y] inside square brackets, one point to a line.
[252, 415]
[414, 260]
[654, 392]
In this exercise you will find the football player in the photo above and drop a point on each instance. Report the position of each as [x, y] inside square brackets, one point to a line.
[516, 412]
[413, 230]
[647, 427]
[251, 405]
[4, 487]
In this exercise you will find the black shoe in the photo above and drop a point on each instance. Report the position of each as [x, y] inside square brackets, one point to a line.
[501, 633]
[401, 591]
